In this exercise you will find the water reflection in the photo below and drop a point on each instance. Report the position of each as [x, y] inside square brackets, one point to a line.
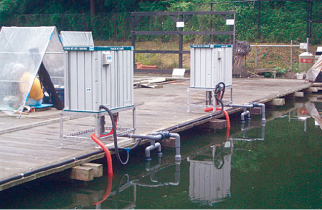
[312, 110]
[249, 127]
[303, 112]
[127, 187]
[210, 174]
[210, 170]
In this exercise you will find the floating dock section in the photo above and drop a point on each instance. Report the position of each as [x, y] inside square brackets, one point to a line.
[31, 147]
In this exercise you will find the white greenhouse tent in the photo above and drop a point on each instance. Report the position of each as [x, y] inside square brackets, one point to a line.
[33, 50]
[315, 70]
[77, 38]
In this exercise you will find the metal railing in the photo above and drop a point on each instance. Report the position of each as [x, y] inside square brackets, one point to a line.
[290, 46]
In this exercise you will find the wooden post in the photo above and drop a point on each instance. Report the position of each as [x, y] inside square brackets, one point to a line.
[92, 6]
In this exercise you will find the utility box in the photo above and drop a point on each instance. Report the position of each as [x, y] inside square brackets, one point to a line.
[210, 64]
[98, 76]
[305, 61]
[318, 53]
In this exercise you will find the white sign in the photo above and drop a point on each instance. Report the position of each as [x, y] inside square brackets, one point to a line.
[178, 73]
[180, 24]
[303, 46]
[230, 22]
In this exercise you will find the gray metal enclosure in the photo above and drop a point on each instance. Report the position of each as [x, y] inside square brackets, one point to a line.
[210, 64]
[103, 76]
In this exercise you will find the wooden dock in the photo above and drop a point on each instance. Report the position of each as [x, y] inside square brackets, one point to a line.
[31, 147]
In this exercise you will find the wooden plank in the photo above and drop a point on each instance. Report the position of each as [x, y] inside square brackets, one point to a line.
[82, 173]
[311, 89]
[317, 84]
[276, 102]
[97, 168]
[298, 94]
[215, 124]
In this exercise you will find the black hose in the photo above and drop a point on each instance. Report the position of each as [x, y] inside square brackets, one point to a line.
[220, 87]
[115, 137]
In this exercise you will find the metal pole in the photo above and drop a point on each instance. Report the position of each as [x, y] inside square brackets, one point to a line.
[134, 119]
[256, 55]
[307, 42]
[291, 54]
[211, 21]
[233, 36]
[259, 20]
[310, 23]
[133, 38]
[61, 128]
[180, 43]
[307, 18]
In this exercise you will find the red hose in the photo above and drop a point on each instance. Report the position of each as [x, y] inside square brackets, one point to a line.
[209, 109]
[111, 132]
[108, 190]
[226, 115]
[107, 154]
[228, 122]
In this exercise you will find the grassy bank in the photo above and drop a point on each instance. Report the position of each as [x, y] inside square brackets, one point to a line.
[276, 58]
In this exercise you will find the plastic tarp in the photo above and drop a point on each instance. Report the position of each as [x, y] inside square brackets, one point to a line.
[314, 71]
[77, 39]
[22, 51]
[310, 107]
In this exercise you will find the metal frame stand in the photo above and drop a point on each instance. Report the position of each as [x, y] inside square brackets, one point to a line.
[85, 134]
[209, 96]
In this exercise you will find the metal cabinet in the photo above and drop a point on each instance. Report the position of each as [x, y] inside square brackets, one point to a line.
[210, 64]
[99, 76]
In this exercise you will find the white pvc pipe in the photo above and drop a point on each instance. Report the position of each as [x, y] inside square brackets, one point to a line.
[152, 147]
[177, 144]
[158, 136]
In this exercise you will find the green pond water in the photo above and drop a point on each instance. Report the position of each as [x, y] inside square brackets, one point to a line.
[276, 165]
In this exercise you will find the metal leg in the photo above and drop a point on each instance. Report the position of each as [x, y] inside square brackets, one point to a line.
[231, 94]
[134, 122]
[188, 100]
[134, 119]
[61, 129]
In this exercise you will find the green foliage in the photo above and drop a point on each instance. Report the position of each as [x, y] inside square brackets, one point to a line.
[7, 5]
[154, 6]
[280, 21]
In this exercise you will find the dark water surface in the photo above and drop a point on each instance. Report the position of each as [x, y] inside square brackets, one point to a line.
[275, 165]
